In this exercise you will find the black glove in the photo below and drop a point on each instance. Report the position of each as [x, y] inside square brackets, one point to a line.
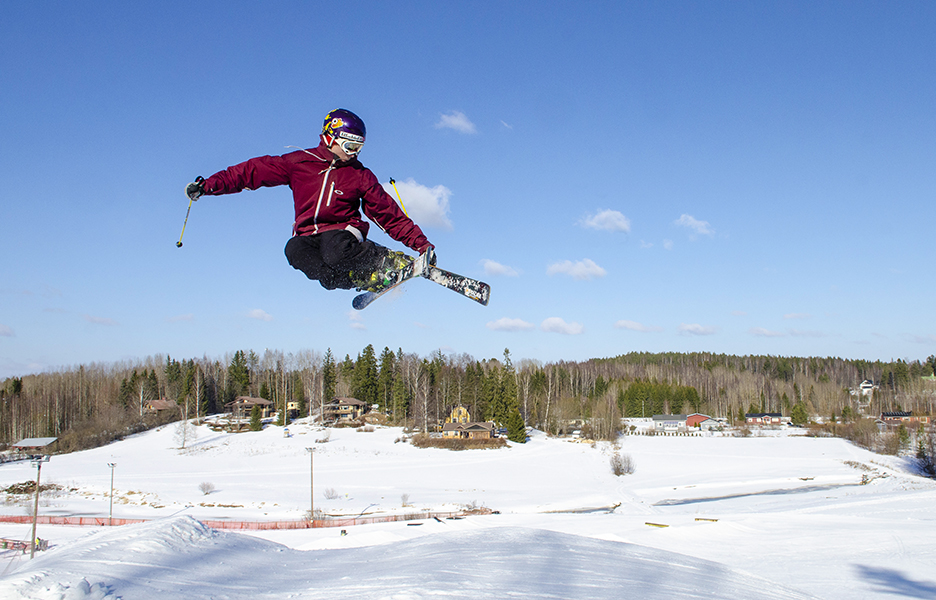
[196, 189]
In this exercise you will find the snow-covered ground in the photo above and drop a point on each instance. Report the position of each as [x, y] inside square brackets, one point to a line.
[770, 516]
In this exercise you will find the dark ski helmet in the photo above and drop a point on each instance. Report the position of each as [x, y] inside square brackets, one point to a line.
[346, 129]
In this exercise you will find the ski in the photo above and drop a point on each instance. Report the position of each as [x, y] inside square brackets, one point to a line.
[414, 269]
[476, 290]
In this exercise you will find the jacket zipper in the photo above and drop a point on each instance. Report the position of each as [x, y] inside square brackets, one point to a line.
[321, 194]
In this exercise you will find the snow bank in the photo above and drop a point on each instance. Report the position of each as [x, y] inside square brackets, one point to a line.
[180, 558]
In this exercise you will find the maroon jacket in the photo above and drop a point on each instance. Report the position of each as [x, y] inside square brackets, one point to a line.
[327, 194]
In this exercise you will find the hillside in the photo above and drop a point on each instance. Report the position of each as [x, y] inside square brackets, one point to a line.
[780, 513]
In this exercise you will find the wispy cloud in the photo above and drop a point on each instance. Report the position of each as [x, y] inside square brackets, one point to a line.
[667, 244]
[456, 120]
[607, 220]
[797, 316]
[508, 324]
[6, 331]
[738, 313]
[695, 225]
[177, 318]
[495, 268]
[428, 206]
[635, 326]
[100, 320]
[583, 269]
[808, 334]
[761, 332]
[696, 329]
[259, 314]
[558, 325]
[356, 321]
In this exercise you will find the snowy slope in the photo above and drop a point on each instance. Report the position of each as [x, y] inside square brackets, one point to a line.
[760, 517]
[180, 558]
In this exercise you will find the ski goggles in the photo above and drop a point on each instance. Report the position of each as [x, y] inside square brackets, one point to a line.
[351, 147]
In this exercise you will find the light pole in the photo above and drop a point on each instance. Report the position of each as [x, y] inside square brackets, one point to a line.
[32, 447]
[110, 517]
[311, 486]
[37, 462]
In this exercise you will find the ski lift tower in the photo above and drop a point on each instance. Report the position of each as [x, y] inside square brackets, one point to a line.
[36, 450]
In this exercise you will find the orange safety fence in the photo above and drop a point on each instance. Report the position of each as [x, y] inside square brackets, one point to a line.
[248, 525]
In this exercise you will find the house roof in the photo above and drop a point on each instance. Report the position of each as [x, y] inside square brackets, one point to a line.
[162, 404]
[34, 442]
[487, 426]
[475, 426]
[757, 415]
[249, 401]
[670, 417]
[898, 413]
[346, 402]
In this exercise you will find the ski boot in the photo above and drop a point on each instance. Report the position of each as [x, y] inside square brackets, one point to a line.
[387, 273]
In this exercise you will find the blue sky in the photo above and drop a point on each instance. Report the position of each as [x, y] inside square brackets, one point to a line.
[743, 178]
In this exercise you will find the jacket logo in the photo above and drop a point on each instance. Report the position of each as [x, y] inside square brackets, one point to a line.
[339, 192]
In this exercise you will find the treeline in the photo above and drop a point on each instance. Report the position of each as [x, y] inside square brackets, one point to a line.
[93, 404]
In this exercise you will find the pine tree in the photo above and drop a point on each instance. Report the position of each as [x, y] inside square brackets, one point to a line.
[238, 376]
[516, 430]
[385, 379]
[329, 377]
[255, 423]
[799, 415]
[365, 377]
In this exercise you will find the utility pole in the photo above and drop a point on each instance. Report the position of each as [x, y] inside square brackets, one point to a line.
[33, 446]
[110, 518]
[311, 486]
[37, 462]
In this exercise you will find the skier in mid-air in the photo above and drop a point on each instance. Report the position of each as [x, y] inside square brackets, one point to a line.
[330, 189]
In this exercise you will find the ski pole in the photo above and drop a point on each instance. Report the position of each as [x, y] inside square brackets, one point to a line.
[193, 194]
[184, 223]
[393, 183]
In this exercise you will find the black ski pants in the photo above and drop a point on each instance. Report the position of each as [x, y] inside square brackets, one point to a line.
[331, 257]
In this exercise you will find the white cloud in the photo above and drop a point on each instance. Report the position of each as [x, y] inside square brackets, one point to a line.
[558, 325]
[761, 332]
[495, 268]
[696, 329]
[507, 125]
[508, 324]
[355, 320]
[427, 206]
[607, 220]
[456, 120]
[807, 334]
[259, 314]
[185, 317]
[738, 313]
[797, 316]
[100, 320]
[6, 331]
[699, 227]
[635, 326]
[667, 244]
[583, 269]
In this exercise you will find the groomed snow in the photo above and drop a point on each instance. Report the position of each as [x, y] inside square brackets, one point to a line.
[771, 516]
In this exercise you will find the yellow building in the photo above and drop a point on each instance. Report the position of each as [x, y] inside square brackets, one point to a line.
[459, 415]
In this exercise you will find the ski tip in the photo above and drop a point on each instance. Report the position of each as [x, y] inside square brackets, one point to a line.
[361, 301]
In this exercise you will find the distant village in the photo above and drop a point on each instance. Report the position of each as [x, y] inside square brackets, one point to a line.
[350, 412]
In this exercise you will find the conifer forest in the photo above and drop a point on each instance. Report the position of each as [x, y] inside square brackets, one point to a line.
[91, 404]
